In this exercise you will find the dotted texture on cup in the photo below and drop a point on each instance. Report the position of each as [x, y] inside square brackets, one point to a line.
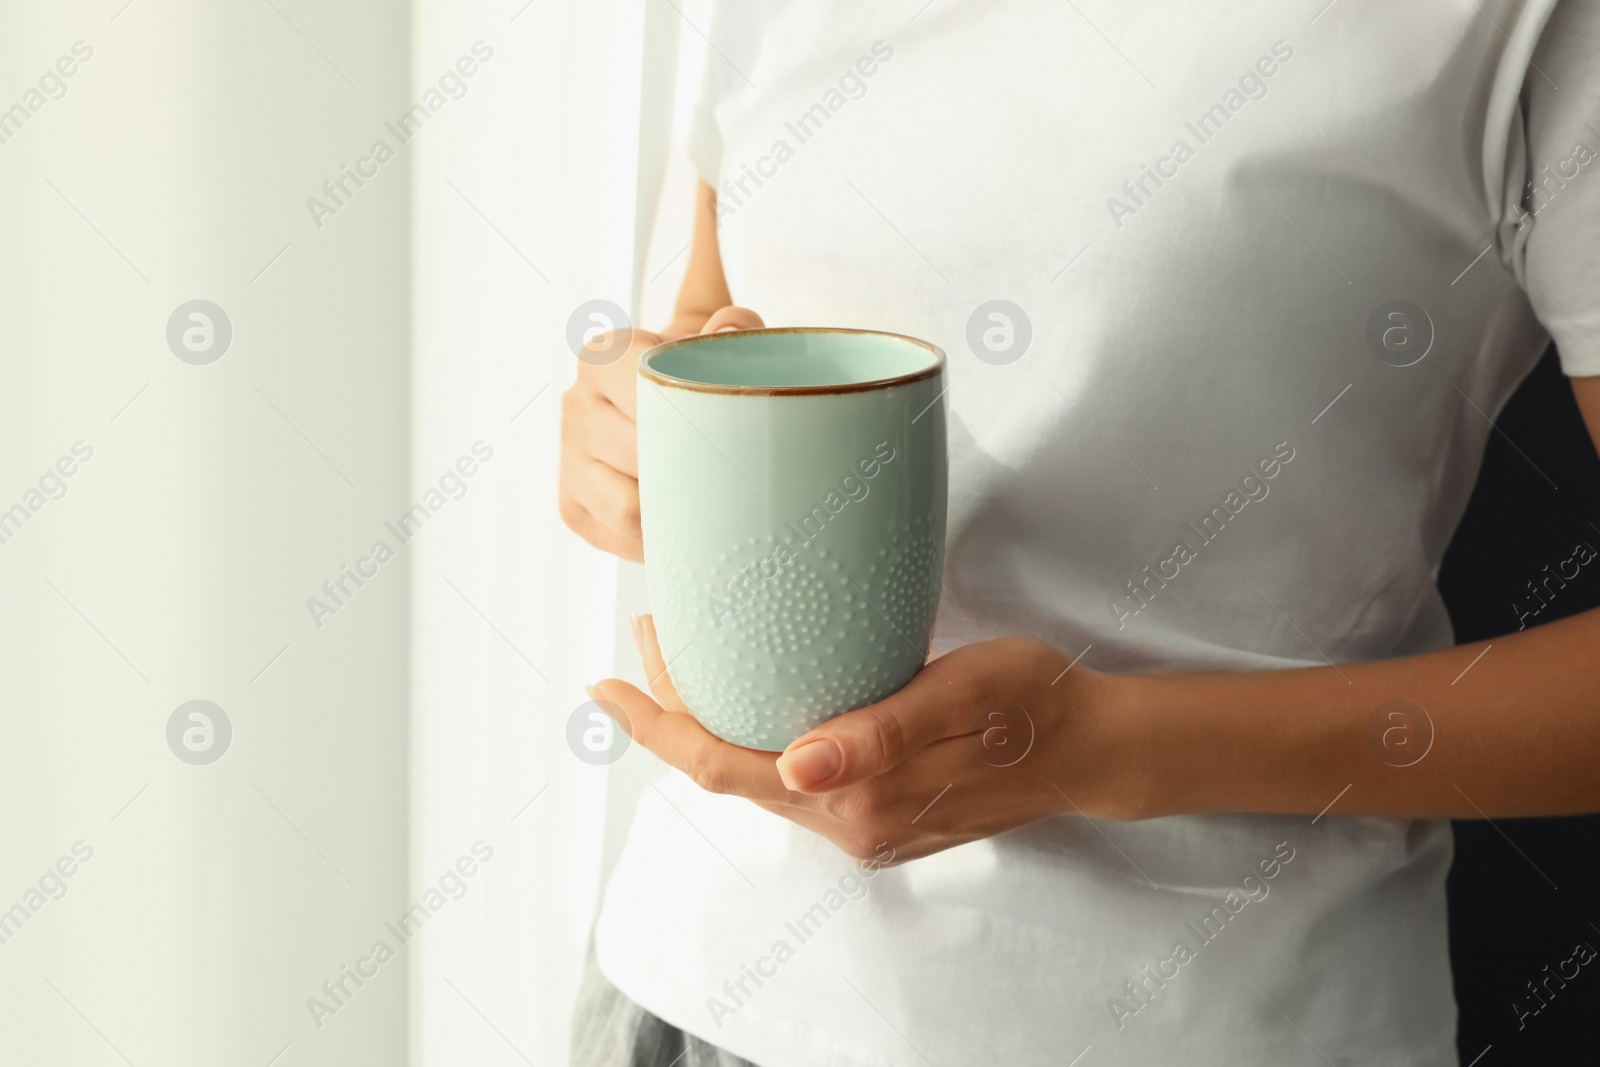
[817, 639]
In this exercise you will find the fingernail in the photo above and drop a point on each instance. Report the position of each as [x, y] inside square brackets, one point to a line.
[594, 694]
[724, 329]
[633, 627]
[810, 765]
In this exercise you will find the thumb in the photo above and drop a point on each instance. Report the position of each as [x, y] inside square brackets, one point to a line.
[732, 318]
[869, 741]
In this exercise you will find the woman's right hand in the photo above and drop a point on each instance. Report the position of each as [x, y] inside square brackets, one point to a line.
[599, 491]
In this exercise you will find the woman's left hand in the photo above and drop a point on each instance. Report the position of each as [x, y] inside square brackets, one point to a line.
[984, 739]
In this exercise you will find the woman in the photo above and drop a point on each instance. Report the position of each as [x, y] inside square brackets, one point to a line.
[1266, 275]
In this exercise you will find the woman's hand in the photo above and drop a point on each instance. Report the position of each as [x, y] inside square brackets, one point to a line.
[985, 739]
[599, 493]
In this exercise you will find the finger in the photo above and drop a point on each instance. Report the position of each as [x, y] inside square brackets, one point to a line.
[608, 346]
[606, 493]
[606, 539]
[732, 318]
[615, 380]
[870, 740]
[655, 667]
[680, 740]
[598, 534]
[597, 428]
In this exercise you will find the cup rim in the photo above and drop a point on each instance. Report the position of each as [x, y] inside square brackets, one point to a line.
[657, 377]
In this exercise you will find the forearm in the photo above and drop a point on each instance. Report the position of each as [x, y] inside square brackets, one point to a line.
[705, 288]
[1517, 734]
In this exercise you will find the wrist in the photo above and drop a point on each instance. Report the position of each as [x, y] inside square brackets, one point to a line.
[1245, 742]
[1104, 760]
[1134, 783]
[1173, 746]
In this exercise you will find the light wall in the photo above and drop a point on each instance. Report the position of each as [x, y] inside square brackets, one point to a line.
[396, 346]
[177, 166]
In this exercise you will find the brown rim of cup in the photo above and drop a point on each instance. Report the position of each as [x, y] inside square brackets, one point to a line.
[658, 378]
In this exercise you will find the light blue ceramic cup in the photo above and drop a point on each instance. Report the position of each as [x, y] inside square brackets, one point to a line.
[792, 488]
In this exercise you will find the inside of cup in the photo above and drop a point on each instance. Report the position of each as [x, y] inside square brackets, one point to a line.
[798, 358]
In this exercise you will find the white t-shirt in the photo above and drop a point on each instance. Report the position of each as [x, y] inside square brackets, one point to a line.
[1227, 226]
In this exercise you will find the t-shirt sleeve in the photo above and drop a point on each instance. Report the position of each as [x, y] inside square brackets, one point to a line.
[1561, 194]
[704, 140]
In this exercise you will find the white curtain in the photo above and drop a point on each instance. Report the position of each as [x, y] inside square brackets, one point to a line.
[384, 339]
[563, 168]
